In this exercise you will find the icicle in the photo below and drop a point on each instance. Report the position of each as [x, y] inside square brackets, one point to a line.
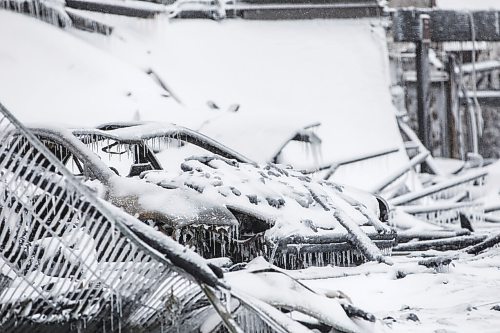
[111, 312]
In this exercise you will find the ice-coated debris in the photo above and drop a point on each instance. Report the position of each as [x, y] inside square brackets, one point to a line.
[276, 288]
[280, 196]
[52, 11]
[224, 205]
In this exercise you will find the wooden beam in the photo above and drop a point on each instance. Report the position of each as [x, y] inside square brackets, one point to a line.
[444, 244]
[452, 105]
[300, 11]
[480, 66]
[285, 9]
[448, 25]
[441, 186]
[141, 9]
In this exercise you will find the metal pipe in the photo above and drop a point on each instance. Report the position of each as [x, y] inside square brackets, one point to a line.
[412, 196]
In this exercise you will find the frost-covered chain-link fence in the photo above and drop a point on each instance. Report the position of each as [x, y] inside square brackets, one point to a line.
[63, 261]
[66, 262]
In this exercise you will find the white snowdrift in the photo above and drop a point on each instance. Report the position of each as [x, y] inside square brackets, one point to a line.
[49, 75]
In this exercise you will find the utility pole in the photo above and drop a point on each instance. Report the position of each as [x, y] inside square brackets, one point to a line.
[423, 80]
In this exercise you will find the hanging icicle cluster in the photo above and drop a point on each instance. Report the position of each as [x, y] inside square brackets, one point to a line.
[51, 11]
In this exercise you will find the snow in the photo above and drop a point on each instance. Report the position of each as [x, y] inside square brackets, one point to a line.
[280, 196]
[257, 136]
[173, 207]
[456, 301]
[103, 78]
[280, 290]
[51, 76]
[284, 75]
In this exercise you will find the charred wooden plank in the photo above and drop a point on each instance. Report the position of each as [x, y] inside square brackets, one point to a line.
[453, 243]
[485, 244]
[308, 11]
[332, 247]
[406, 236]
[139, 9]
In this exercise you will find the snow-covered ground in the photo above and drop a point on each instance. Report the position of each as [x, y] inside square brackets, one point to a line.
[458, 300]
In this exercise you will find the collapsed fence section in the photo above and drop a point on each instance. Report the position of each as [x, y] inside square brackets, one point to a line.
[67, 262]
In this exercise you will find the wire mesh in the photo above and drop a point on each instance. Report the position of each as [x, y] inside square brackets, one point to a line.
[66, 263]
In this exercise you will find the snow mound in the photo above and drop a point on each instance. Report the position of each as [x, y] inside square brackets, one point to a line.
[52, 76]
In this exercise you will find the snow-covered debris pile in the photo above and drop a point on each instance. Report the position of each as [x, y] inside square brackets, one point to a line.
[282, 213]
[221, 206]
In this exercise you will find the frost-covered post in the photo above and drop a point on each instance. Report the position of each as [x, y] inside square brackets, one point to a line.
[423, 79]
[452, 106]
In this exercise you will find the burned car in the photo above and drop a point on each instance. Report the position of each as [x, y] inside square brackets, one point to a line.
[221, 203]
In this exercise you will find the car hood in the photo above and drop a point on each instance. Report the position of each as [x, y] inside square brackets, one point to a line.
[278, 197]
[175, 208]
